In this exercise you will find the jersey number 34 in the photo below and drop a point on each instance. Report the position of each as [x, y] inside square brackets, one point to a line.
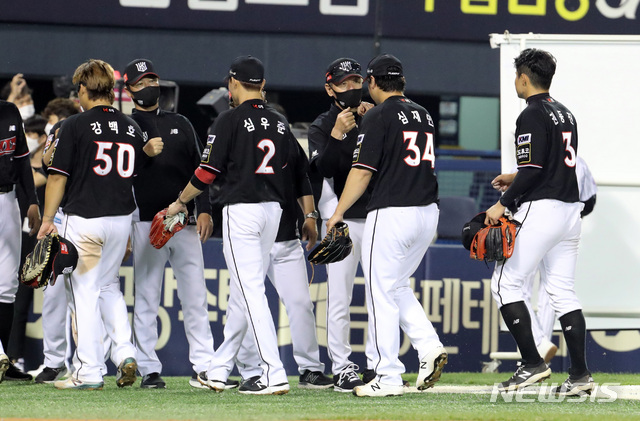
[414, 157]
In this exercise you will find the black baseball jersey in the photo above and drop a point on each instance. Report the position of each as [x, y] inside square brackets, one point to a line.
[299, 186]
[546, 139]
[397, 143]
[249, 146]
[163, 176]
[331, 157]
[15, 167]
[99, 151]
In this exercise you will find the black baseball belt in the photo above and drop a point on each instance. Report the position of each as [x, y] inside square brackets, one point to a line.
[6, 188]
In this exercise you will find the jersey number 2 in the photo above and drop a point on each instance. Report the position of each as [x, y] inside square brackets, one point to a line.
[269, 149]
[124, 159]
[570, 161]
[413, 159]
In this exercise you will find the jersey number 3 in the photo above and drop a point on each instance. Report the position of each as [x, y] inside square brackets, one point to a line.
[124, 159]
[570, 160]
[414, 158]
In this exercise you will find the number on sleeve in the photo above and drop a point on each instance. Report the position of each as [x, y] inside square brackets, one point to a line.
[570, 161]
[269, 148]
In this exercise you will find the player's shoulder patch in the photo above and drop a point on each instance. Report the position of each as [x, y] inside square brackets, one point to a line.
[523, 138]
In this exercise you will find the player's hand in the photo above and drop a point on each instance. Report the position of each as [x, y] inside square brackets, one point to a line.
[494, 213]
[154, 146]
[310, 232]
[176, 207]
[17, 85]
[33, 214]
[345, 122]
[503, 181]
[334, 220]
[204, 226]
[47, 227]
[364, 107]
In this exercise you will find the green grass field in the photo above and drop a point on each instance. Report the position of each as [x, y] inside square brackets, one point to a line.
[181, 402]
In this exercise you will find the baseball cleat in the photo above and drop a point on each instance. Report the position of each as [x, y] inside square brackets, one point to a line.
[347, 379]
[13, 374]
[153, 381]
[375, 388]
[314, 380]
[431, 367]
[526, 375]
[547, 350]
[50, 375]
[126, 375]
[71, 383]
[216, 385]
[4, 365]
[575, 386]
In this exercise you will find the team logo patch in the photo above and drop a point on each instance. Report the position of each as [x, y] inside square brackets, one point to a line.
[523, 138]
[141, 66]
[356, 151]
[523, 153]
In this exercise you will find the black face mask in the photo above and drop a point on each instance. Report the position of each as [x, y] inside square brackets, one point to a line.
[350, 98]
[146, 97]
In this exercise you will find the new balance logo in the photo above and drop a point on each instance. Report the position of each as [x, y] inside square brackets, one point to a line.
[524, 374]
[423, 365]
[516, 321]
[375, 386]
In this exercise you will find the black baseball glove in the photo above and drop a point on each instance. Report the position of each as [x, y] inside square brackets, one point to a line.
[334, 247]
[37, 270]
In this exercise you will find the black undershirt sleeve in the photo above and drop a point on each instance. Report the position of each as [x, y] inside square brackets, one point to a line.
[25, 177]
[525, 179]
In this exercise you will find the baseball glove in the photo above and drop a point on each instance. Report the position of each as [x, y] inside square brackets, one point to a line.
[163, 227]
[334, 247]
[495, 242]
[37, 269]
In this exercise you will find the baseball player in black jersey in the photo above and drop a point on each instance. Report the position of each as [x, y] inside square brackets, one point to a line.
[544, 197]
[395, 153]
[156, 186]
[332, 139]
[15, 168]
[95, 158]
[249, 146]
[288, 273]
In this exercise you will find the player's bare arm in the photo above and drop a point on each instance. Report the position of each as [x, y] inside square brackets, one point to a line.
[345, 122]
[503, 181]
[355, 186]
[154, 146]
[494, 213]
[180, 205]
[52, 198]
[309, 227]
[204, 225]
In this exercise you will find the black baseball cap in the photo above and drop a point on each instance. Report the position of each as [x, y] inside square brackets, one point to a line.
[66, 260]
[246, 69]
[138, 69]
[471, 228]
[341, 69]
[384, 65]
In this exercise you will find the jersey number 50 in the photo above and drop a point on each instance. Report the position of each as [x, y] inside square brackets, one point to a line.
[124, 159]
[414, 158]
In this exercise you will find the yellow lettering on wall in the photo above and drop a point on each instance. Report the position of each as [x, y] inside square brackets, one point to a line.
[572, 15]
[479, 7]
[429, 5]
[538, 9]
